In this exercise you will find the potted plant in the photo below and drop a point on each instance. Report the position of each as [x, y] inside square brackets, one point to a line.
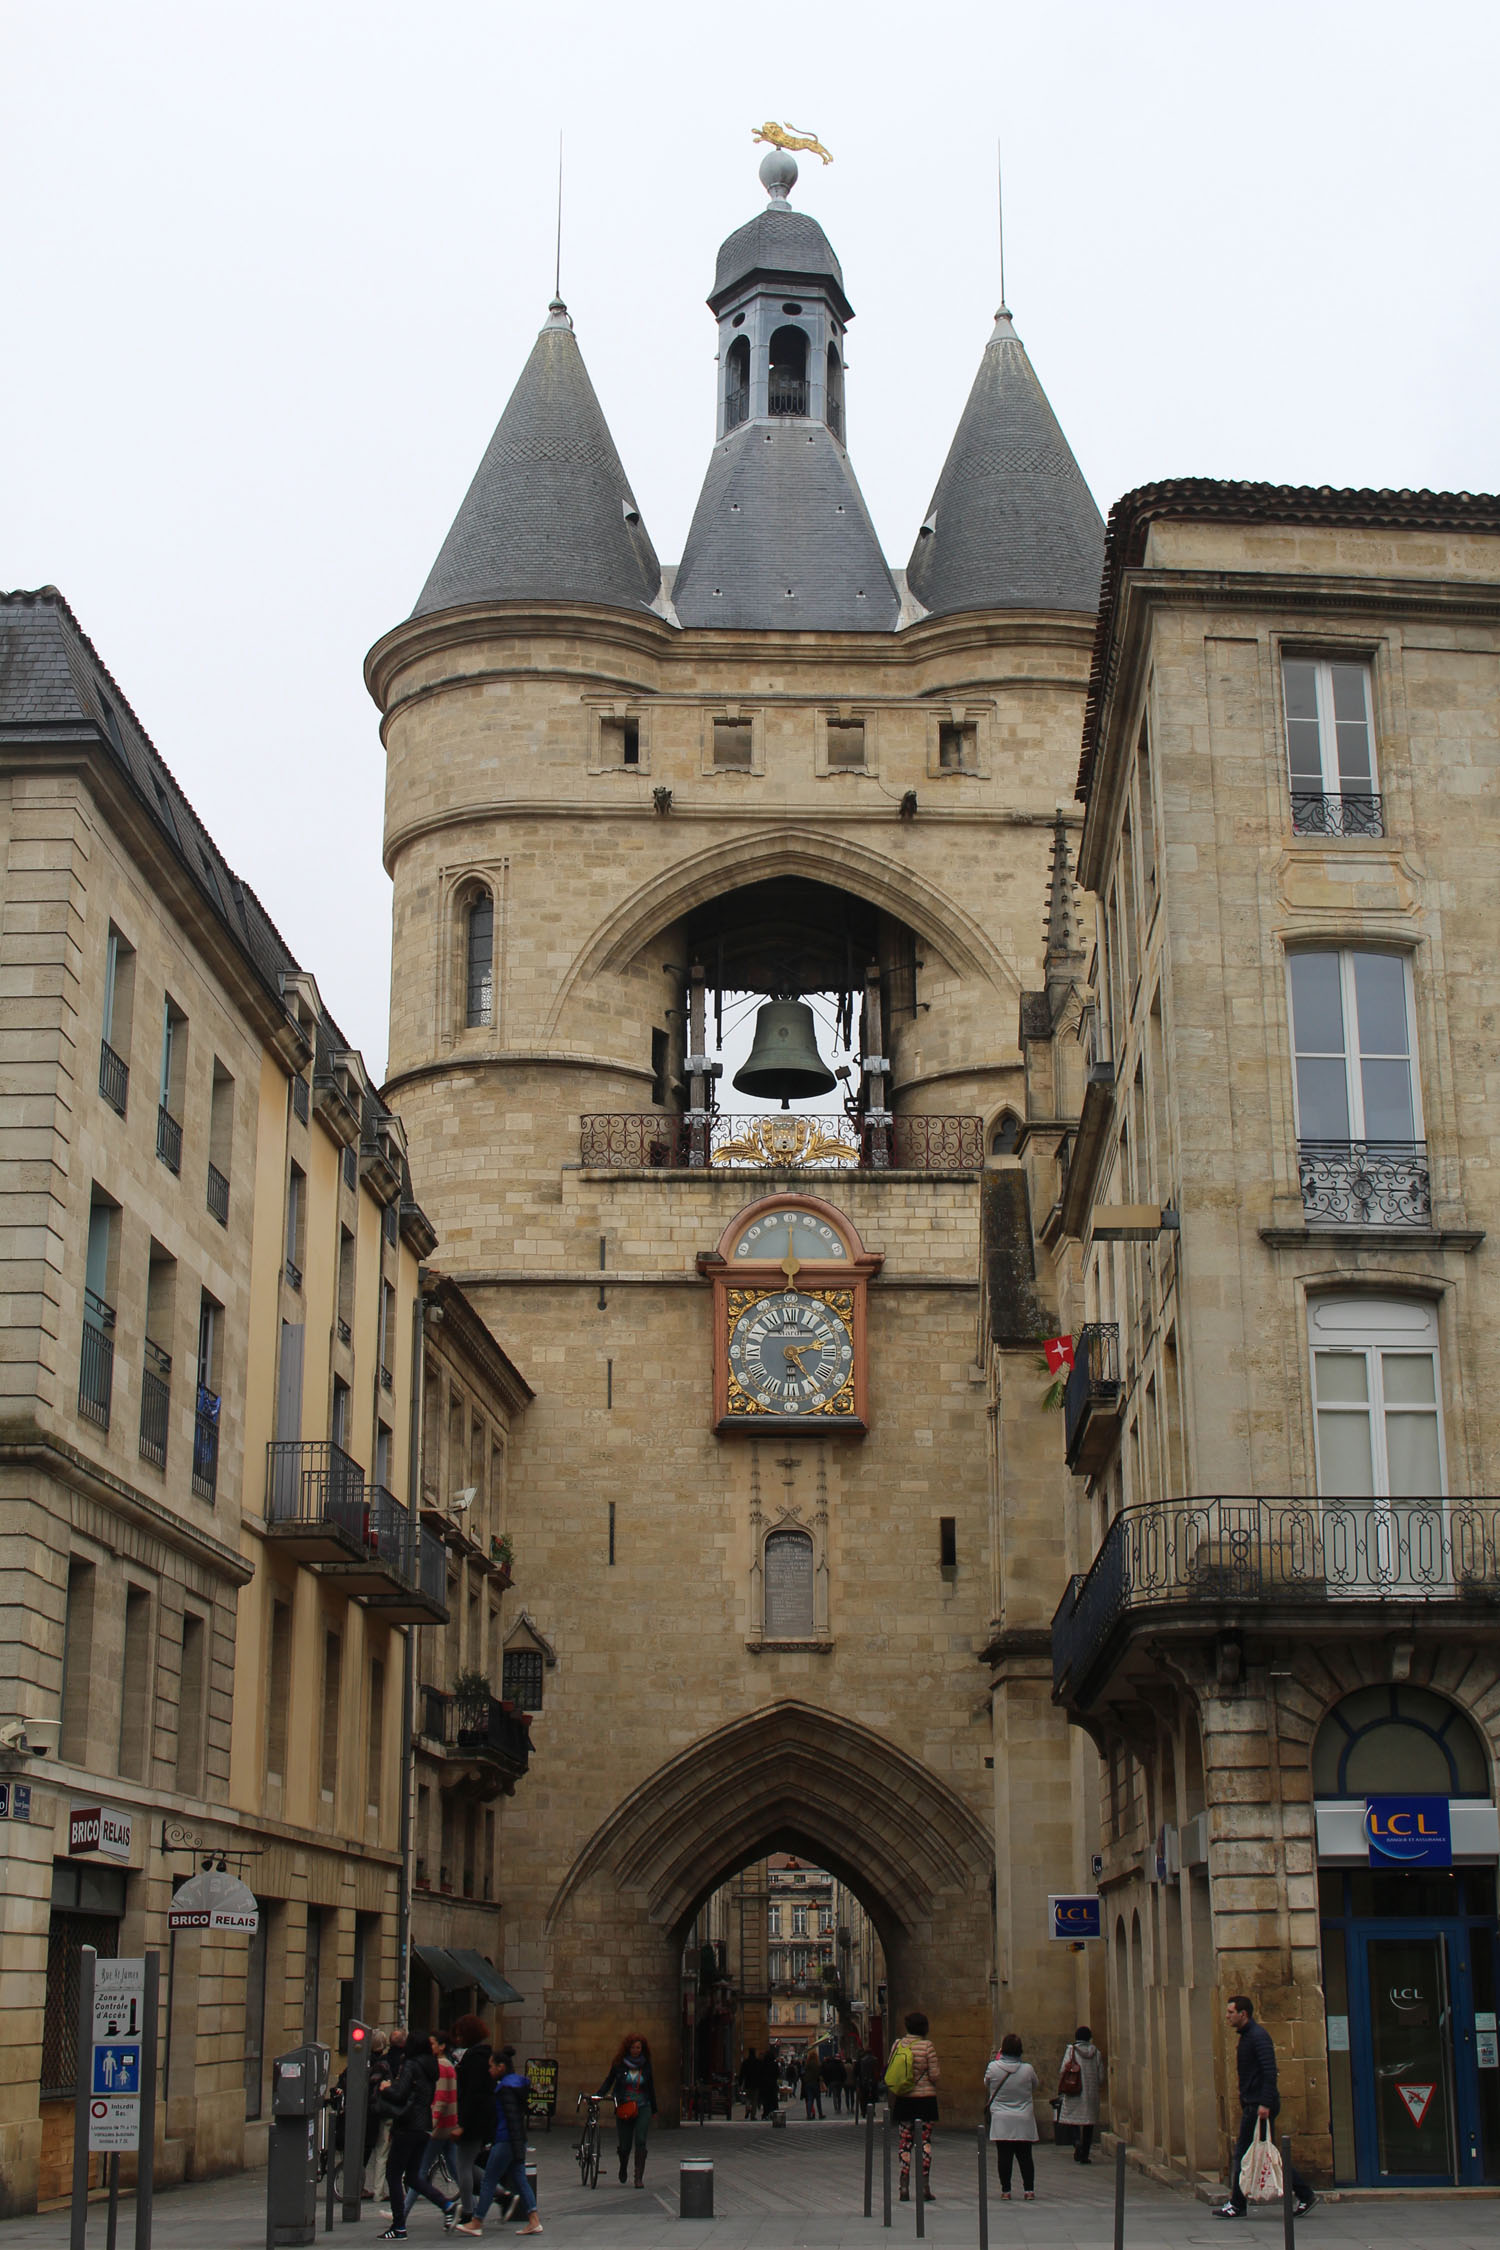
[502, 1554]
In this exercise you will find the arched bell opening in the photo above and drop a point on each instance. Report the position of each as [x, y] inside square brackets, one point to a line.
[736, 384]
[834, 393]
[787, 389]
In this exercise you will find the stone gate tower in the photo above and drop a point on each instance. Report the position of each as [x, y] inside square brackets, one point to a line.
[753, 1502]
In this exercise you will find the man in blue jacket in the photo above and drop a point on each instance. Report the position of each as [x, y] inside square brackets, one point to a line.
[1260, 2098]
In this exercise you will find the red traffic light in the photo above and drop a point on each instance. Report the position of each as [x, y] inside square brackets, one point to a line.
[356, 2035]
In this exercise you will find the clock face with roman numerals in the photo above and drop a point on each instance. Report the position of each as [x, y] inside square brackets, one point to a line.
[791, 1353]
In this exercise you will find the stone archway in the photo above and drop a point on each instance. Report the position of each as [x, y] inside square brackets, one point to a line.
[786, 1777]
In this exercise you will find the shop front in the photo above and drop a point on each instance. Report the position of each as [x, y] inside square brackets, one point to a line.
[1408, 1841]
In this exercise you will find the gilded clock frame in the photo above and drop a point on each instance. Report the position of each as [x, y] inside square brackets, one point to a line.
[840, 1284]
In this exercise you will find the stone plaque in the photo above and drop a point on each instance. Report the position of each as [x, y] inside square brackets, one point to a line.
[789, 1586]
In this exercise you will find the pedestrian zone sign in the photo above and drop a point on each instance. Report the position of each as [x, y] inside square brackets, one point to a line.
[117, 2068]
[1417, 2099]
[119, 1999]
[114, 2125]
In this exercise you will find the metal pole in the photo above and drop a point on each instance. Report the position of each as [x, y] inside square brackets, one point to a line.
[145, 2165]
[885, 2168]
[114, 2201]
[984, 2187]
[406, 1839]
[356, 2118]
[1288, 2200]
[330, 2153]
[869, 2159]
[1120, 2194]
[87, 1956]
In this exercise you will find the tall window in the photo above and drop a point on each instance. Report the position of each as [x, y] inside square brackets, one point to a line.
[1375, 1393]
[1351, 1022]
[328, 1748]
[192, 1689]
[1330, 743]
[799, 1921]
[521, 1677]
[773, 1921]
[479, 1005]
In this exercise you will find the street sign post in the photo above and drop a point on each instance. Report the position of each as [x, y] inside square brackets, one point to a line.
[114, 2105]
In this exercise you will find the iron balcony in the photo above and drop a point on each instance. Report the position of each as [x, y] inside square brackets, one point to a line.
[168, 1139]
[317, 1500]
[206, 1445]
[1217, 1565]
[96, 1367]
[1365, 1183]
[1094, 1399]
[218, 1195]
[486, 1743]
[114, 1078]
[1350, 813]
[781, 1140]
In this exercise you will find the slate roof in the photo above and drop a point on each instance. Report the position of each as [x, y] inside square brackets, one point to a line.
[779, 243]
[780, 509]
[550, 514]
[53, 686]
[1012, 524]
[1212, 499]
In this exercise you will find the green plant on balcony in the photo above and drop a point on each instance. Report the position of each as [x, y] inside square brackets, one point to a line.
[501, 1550]
[471, 1692]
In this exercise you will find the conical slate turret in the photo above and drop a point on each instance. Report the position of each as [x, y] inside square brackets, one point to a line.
[1012, 524]
[781, 538]
[550, 514]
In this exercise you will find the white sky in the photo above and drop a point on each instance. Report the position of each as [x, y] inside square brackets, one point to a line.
[272, 270]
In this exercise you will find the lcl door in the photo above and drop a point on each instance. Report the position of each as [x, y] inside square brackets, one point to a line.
[1416, 2089]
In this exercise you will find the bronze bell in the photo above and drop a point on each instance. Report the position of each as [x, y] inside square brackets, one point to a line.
[783, 1063]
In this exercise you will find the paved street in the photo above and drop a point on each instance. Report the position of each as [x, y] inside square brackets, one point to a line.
[782, 2190]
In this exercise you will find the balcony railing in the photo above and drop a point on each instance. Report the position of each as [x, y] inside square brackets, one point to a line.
[312, 1484]
[168, 1139]
[156, 1403]
[1365, 1183]
[96, 1369]
[487, 1730]
[432, 1567]
[301, 1098]
[1216, 1554]
[218, 1195]
[782, 1140]
[1093, 1398]
[736, 409]
[1344, 815]
[206, 1445]
[786, 394]
[360, 1533]
[114, 1077]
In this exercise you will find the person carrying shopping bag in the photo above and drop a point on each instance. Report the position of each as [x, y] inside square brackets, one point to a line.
[1079, 2077]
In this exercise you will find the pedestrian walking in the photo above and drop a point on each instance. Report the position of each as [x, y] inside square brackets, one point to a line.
[770, 2085]
[506, 2164]
[443, 2134]
[865, 2079]
[386, 2057]
[476, 2105]
[630, 2082]
[835, 2078]
[1260, 2098]
[912, 2078]
[407, 2101]
[810, 2083]
[748, 2082]
[1010, 2086]
[1079, 2077]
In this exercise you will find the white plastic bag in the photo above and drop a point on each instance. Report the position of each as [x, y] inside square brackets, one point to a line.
[1260, 2167]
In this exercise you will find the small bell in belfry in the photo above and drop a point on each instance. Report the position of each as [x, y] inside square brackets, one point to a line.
[784, 1064]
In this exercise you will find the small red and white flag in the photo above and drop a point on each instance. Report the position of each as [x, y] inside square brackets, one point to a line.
[1417, 2099]
[1059, 1351]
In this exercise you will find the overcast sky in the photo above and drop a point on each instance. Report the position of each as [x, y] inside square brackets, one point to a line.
[272, 270]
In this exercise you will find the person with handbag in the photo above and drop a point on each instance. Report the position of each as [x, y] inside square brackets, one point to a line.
[506, 2163]
[1078, 2083]
[1260, 2099]
[630, 2082]
[911, 2079]
[1010, 2086]
[476, 2105]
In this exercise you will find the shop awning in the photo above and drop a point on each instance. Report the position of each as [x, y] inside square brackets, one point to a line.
[456, 1968]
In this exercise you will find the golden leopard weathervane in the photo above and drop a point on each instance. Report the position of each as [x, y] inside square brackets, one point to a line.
[787, 137]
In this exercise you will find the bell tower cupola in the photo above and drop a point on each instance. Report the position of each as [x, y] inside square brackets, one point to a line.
[781, 537]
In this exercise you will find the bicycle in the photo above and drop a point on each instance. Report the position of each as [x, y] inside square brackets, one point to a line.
[587, 2151]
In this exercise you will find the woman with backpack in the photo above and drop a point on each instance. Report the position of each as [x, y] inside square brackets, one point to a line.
[911, 2078]
[1010, 2087]
[1078, 2081]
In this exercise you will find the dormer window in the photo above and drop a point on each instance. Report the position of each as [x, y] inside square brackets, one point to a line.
[788, 379]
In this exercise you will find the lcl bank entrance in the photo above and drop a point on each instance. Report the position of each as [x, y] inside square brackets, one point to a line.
[1408, 1840]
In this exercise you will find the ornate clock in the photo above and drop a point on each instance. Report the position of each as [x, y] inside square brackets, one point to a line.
[789, 1277]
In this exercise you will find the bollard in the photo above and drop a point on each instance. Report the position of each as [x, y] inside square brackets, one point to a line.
[984, 2187]
[695, 2188]
[885, 2165]
[869, 2159]
[1120, 2194]
[1288, 2200]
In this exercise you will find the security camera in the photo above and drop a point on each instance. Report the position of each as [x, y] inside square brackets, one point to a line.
[13, 1736]
[465, 1499]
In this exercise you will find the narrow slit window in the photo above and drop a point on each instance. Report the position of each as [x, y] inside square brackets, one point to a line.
[479, 1010]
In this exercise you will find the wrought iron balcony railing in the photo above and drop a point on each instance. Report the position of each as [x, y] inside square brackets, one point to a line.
[1093, 1397]
[311, 1482]
[360, 1533]
[156, 1403]
[218, 1195]
[486, 1729]
[1210, 1555]
[1365, 1183]
[206, 1445]
[96, 1368]
[432, 1567]
[168, 1139]
[1348, 814]
[786, 394]
[301, 1098]
[114, 1077]
[783, 1140]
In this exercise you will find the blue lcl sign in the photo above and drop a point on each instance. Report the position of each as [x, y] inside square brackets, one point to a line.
[1074, 1917]
[1408, 1832]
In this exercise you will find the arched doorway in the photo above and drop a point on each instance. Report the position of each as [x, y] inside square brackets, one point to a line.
[788, 1777]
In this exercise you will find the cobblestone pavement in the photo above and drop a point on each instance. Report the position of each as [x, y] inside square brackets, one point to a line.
[805, 2186]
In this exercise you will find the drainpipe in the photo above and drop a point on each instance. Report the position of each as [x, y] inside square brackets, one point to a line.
[409, 1668]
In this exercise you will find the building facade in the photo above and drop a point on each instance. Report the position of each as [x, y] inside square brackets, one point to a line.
[1260, 1152]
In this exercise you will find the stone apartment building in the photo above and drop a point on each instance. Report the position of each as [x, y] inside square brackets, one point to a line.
[1260, 1160]
[210, 1264]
